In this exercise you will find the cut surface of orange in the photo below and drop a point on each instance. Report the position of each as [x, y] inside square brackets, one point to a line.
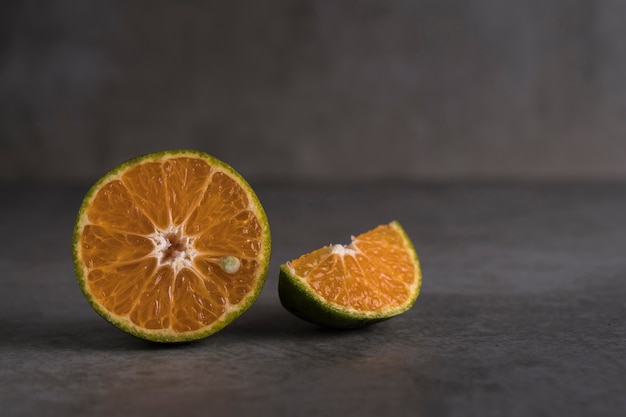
[171, 246]
[375, 277]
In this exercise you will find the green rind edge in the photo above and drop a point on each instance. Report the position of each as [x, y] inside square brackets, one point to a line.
[302, 301]
[224, 320]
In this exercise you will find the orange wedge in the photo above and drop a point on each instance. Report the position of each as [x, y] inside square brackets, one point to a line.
[375, 277]
[171, 246]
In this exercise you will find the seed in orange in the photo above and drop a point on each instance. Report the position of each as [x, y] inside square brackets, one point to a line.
[171, 246]
[375, 277]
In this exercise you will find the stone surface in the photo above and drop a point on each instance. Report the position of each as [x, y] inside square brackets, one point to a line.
[521, 313]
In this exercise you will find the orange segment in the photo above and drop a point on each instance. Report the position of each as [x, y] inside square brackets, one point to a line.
[193, 305]
[230, 287]
[113, 208]
[240, 235]
[375, 277]
[146, 185]
[104, 246]
[222, 200]
[119, 287]
[187, 182]
[171, 246]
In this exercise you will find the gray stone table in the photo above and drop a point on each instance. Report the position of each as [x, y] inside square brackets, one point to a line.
[522, 313]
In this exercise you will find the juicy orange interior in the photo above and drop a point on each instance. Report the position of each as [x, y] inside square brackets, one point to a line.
[375, 272]
[156, 240]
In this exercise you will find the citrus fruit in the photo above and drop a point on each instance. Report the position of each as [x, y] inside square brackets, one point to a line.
[375, 277]
[171, 246]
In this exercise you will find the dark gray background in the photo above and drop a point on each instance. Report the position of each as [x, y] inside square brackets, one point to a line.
[327, 90]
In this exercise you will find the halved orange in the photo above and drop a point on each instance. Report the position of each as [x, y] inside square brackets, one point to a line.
[171, 246]
[375, 277]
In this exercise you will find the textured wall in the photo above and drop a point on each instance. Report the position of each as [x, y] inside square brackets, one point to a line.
[330, 90]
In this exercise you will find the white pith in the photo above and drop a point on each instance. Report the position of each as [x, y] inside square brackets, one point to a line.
[179, 259]
[346, 250]
[343, 250]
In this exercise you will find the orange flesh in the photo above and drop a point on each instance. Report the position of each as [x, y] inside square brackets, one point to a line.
[154, 238]
[374, 273]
